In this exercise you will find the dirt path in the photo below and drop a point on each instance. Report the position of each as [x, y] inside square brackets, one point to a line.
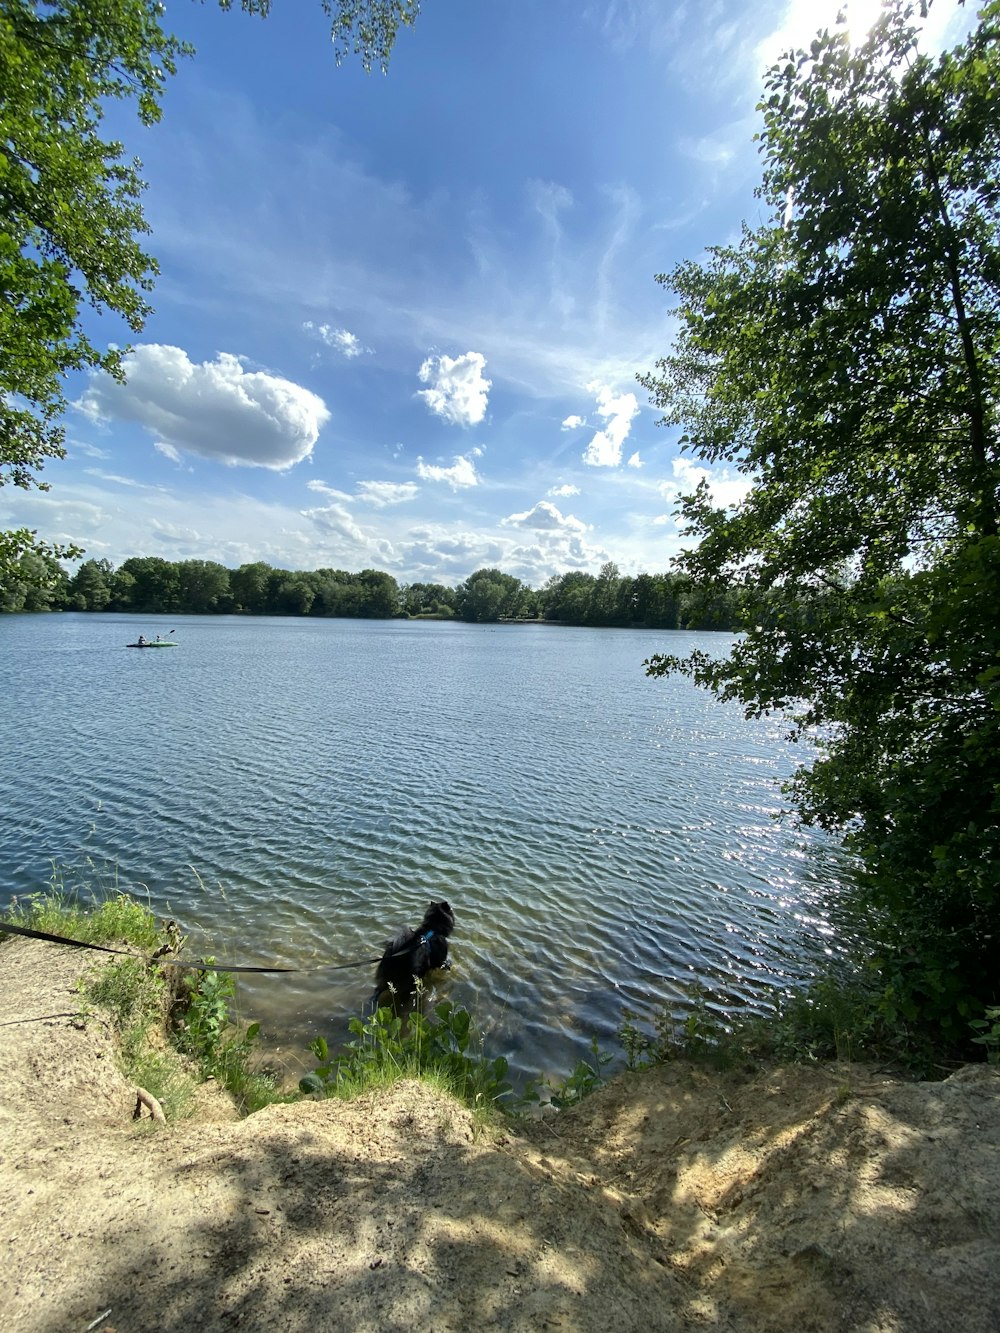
[804, 1199]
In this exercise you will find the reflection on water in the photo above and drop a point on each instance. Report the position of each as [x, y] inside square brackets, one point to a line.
[295, 791]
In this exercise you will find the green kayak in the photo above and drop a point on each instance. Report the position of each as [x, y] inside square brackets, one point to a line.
[156, 643]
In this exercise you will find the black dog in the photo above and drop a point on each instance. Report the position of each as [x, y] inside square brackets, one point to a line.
[414, 953]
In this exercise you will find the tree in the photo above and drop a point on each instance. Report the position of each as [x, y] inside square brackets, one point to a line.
[203, 587]
[33, 581]
[155, 583]
[90, 587]
[379, 594]
[71, 224]
[427, 599]
[489, 595]
[568, 597]
[845, 357]
[364, 28]
[250, 586]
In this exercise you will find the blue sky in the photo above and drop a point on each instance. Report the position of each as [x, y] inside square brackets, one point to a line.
[399, 317]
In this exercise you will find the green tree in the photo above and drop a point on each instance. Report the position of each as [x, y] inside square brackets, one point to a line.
[568, 597]
[71, 224]
[33, 581]
[363, 28]
[250, 586]
[427, 599]
[203, 587]
[845, 357]
[292, 593]
[90, 587]
[155, 583]
[489, 595]
[379, 594]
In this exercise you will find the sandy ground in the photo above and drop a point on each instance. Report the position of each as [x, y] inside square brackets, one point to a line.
[832, 1198]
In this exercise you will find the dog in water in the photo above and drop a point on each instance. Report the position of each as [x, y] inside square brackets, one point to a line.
[414, 953]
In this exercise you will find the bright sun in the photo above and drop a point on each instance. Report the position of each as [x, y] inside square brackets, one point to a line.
[861, 16]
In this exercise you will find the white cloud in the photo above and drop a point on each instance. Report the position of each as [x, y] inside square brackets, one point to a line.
[727, 488]
[719, 148]
[167, 450]
[545, 517]
[383, 493]
[605, 449]
[340, 340]
[338, 531]
[462, 473]
[635, 461]
[214, 408]
[74, 446]
[572, 422]
[562, 492]
[459, 391]
[322, 488]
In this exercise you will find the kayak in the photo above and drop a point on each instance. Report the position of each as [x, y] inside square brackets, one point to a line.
[161, 643]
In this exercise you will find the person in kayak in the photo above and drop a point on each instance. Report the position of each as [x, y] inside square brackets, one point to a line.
[140, 642]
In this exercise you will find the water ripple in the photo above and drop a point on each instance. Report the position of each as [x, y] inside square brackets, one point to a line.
[293, 791]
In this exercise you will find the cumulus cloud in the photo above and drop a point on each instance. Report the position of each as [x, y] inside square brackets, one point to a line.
[618, 410]
[384, 493]
[727, 488]
[561, 492]
[459, 391]
[545, 517]
[462, 473]
[347, 344]
[635, 460]
[216, 409]
[571, 423]
[338, 530]
[437, 554]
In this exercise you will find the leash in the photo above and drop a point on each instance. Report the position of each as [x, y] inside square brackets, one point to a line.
[196, 964]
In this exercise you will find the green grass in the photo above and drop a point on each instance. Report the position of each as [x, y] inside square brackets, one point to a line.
[839, 1016]
[173, 1027]
[442, 1049]
[114, 919]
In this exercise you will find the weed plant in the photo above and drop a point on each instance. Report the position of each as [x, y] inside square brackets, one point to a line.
[837, 1017]
[222, 1049]
[386, 1049]
[585, 1077]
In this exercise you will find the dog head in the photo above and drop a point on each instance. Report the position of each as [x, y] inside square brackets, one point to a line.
[439, 918]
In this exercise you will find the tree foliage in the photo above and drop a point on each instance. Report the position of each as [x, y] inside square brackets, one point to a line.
[71, 223]
[845, 356]
[363, 28]
[203, 587]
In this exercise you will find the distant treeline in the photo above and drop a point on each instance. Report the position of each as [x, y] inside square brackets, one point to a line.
[153, 586]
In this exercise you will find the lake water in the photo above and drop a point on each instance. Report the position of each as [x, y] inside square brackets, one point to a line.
[294, 791]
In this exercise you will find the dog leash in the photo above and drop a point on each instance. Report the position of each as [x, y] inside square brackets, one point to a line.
[196, 964]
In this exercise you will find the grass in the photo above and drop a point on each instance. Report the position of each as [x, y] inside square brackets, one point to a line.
[442, 1049]
[116, 918]
[838, 1017]
[174, 1027]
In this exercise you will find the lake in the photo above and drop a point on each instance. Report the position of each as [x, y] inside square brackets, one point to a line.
[294, 791]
